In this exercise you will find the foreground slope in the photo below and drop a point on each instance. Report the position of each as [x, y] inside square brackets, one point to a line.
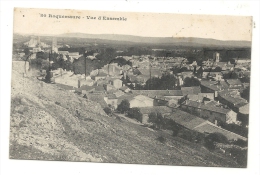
[49, 123]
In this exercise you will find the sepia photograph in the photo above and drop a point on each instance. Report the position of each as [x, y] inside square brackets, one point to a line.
[130, 87]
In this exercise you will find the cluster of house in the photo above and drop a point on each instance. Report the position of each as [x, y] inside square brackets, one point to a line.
[201, 108]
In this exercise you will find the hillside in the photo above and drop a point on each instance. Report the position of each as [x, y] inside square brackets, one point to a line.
[184, 41]
[45, 125]
[138, 40]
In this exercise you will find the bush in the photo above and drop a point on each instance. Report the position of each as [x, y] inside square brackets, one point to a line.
[135, 113]
[108, 110]
[214, 137]
[123, 106]
[157, 119]
[241, 143]
[161, 139]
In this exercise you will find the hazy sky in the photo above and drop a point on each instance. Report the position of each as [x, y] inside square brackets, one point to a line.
[28, 21]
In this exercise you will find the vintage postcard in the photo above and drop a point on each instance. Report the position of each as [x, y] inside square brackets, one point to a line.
[132, 88]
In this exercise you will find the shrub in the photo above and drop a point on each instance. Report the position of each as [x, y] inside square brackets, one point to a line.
[135, 113]
[108, 110]
[214, 137]
[157, 119]
[241, 143]
[161, 139]
[123, 106]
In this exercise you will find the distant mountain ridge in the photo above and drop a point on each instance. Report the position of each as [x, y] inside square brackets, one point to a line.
[160, 40]
[184, 41]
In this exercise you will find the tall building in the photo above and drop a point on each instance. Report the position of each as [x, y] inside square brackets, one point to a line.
[39, 41]
[216, 57]
[54, 45]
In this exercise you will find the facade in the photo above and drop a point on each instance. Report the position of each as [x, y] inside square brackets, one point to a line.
[111, 100]
[216, 115]
[164, 110]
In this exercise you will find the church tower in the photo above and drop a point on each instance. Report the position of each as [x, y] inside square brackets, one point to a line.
[216, 57]
[54, 45]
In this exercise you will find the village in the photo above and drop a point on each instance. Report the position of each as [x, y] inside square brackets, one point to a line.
[208, 98]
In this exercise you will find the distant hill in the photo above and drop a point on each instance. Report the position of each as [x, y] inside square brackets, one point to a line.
[189, 41]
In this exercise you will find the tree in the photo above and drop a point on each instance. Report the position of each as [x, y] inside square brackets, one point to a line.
[246, 93]
[157, 119]
[108, 110]
[245, 79]
[188, 82]
[218, 69]
[26, 51]
[123, 106]
[48, 76]
[136, 114]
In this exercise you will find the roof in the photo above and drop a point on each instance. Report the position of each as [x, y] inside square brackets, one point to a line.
[161, 109]
[101, 74]
[142, 98]
[127, 96]
[208, 127]
[233, 82]
[124, 88]
[185, 119]
[97, 98]
[193, 97]
[206, 107]
[66, 87]
[190, 90]
[234, 99]
[244, 109]
[111, 96]
[154, 93]
[99, 88]
[211, 85]
[86, 87]
[154, 72]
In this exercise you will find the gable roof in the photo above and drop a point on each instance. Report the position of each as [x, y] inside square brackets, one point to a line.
[206, 107]
[161, 109]
[185, 119]
[208, 127]
[154, 93]
[190, 90]
[233, 82]
[244, 109]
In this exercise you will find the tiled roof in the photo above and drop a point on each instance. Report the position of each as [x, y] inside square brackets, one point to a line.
[210, 84]
[234, 82]
[111, 96]
[97, 98]
[185, 119]
[66, 87]
[190, 90]
[124, 88]
[154, 93]
[161, 109]
[206, 107]
[208, 127]
[244, 109]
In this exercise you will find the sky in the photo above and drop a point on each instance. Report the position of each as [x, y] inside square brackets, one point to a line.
[29, 21]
